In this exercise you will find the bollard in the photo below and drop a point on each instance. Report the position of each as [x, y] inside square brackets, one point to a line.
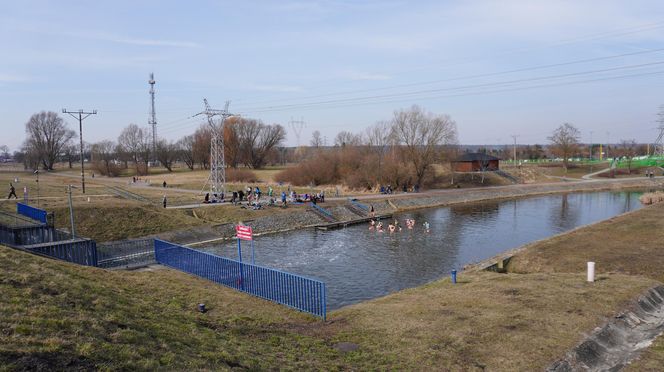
[201, 308]
[591, 271]
[454, 276]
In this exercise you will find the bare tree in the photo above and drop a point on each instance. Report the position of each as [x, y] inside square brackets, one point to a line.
[47, 134]
[628, 150]
[257, 140]
[4, 151]
[30, 156]
[379, 139]
[345, 138]
[137, 142]
[186, 150]
[232, 146]
[565, 142]
[70, 152]
[104, 155]
[421, 135]
[166, 153]
[201, 146]
[316, 139]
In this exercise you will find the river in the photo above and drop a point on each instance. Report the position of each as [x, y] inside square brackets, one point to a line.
[359, 264]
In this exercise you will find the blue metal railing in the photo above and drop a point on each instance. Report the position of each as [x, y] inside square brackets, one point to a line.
[298, 292]
[322, 210]
[359, 205]
[32, 212]
[126, 253]
[80, 251]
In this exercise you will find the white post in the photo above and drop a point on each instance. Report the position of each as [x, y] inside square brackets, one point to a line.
[591, 272]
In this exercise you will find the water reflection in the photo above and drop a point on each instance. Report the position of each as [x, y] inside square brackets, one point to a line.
[358, 264]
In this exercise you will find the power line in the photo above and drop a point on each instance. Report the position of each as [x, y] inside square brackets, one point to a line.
[596, 36]
[80, 117]
[473, 76]
[438, 96]
[463, 87]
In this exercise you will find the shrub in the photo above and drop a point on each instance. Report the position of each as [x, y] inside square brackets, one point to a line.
[109, 170]
[240, 175]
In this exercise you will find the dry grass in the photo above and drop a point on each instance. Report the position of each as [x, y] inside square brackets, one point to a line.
[629, 244]
[573, 171]
[489, 321]
[652, 198]
[57, 315]
[227, 213]
[122, 219]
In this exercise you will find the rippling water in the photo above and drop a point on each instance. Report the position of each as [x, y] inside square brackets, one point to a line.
[359, 264]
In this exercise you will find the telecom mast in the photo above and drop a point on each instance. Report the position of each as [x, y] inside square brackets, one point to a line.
[153, 118]
[217, 178]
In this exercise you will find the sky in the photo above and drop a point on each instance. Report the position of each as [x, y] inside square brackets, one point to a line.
[497, 68]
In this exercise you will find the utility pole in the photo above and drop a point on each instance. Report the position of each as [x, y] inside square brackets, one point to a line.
[608, 140]
[79, 115]
[153, 119]
[71, 212]
[591, 151]
[514, 136]
[217, 178]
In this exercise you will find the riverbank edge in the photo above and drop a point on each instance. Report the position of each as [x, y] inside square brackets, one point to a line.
[493, 263]
[411, 202]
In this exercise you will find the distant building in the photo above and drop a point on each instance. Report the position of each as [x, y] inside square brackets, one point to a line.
[475, 162]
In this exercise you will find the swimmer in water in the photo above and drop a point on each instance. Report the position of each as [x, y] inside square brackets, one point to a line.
[426, 226]
[391, 228]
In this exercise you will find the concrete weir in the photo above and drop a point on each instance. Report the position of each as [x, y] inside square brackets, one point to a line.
[614, 345]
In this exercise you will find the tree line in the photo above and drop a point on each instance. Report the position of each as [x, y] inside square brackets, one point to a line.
[248, 142]
[401, 151]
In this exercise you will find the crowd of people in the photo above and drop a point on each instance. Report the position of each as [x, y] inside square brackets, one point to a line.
[377, 226]
[405, 188]
[255, 198]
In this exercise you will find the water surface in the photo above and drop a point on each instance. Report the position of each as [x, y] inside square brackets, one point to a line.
[358, 264]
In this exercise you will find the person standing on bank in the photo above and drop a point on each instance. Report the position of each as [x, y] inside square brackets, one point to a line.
[12, 191]
[164, 201]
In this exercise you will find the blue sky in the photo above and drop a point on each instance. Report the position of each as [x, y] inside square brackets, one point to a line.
[339, 65]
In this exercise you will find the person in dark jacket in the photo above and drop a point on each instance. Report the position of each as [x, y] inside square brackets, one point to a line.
[12, 191]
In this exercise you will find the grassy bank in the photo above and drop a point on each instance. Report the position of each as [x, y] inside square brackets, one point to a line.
[629, 244]
[57, 315]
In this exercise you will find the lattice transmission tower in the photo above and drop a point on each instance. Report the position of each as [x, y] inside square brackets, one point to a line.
[217, 178]
[152, 121]
[659, 142]
[297, 126]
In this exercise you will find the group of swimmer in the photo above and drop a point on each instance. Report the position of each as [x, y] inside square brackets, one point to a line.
[393, 227]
